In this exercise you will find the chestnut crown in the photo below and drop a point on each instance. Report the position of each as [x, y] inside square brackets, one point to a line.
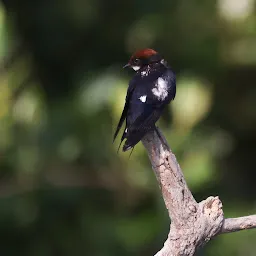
[143, 58]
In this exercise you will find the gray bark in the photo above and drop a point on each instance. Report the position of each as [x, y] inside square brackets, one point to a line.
[192, 224]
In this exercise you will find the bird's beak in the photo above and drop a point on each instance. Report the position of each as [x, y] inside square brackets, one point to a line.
[127, 65]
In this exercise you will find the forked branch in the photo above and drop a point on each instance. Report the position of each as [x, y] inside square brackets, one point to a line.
[192, 224]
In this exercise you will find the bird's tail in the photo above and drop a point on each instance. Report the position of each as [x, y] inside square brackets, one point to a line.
[127, 147]
[122, 139]
[131, 141]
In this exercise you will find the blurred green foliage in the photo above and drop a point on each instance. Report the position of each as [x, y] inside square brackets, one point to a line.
[63, 188]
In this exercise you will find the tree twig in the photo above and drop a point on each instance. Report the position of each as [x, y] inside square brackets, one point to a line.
[192, 224]
[237, 224]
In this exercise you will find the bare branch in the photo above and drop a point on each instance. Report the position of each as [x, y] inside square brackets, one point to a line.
[192, 224]
[237, 224]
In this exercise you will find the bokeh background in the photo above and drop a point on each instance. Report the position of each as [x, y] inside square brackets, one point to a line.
[63, 189]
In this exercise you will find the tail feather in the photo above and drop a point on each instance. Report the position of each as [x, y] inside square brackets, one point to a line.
[121, 121]
[122, 139]
[142, 125]
[133, 140]
[126, 147]
[119, 147]
[131, 153]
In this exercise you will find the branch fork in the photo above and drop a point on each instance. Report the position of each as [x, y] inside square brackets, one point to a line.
[192, 224]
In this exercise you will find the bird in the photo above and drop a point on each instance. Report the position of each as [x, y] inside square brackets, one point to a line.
[150, 90]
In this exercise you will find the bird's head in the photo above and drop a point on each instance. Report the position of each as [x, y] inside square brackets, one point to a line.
[143, 58]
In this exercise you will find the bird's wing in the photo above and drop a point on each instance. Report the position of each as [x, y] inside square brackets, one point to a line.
[125, 110]
[121, 121]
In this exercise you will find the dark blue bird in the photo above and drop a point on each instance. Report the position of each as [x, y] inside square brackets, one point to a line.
[150, 90]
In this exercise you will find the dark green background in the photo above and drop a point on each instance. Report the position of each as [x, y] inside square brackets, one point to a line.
[63, 189]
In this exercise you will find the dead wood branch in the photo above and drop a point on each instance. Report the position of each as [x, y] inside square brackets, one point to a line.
[192, 224]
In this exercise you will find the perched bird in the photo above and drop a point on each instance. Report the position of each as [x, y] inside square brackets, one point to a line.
[150, 90]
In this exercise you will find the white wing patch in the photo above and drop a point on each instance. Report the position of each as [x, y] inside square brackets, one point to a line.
[161, 89]
[136, 68]
[143, 98]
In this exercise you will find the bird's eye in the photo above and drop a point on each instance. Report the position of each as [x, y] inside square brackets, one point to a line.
[136, 61]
